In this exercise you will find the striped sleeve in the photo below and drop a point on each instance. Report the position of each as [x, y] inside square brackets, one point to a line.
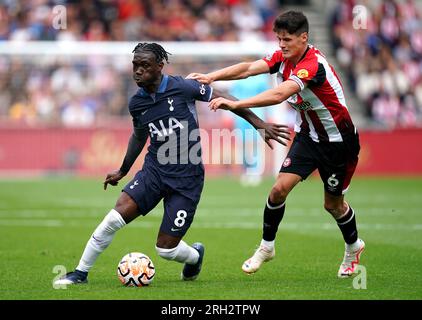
[274, 61]
[305, 72]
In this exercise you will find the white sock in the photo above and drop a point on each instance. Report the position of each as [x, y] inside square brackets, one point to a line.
[182, 253]
[268, 244]
[100, 239]
[354, 246]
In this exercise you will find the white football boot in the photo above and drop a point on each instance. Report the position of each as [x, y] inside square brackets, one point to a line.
[351, 260]
[261, 255]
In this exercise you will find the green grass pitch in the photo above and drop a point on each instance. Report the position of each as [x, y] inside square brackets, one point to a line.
[44, 223]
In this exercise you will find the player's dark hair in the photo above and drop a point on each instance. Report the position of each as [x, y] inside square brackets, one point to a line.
[155, 48]
[294, 22]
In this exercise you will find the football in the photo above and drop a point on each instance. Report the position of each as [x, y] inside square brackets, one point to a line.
[136, 270]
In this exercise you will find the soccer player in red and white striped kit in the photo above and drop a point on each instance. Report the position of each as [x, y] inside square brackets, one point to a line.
[326, 138]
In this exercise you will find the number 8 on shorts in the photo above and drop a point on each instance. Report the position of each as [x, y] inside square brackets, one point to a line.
[180, 218]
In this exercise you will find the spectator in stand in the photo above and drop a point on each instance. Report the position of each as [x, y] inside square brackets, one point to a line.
[384, 61]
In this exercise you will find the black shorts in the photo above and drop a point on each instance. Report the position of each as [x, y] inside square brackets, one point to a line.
[181, 197]
[335, 161]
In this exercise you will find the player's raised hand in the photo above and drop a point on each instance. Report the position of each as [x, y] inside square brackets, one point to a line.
[273, 131]
[113, 178]
[222, 103]
[203, 78]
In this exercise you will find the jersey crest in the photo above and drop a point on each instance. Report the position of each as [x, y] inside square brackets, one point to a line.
[303, 73]
[170, 102]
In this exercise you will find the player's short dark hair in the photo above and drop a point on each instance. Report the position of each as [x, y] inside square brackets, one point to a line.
[294, 22]
[155, 48]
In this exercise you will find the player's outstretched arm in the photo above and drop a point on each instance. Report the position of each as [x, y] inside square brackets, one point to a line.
[238, 71]
[267, 98]
[136, 144]
[268, 131]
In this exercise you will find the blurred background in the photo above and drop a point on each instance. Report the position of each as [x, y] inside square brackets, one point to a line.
[65, 76]
[65, 82]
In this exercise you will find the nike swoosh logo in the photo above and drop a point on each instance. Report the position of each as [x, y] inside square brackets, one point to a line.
[173, 229]
[142, 113]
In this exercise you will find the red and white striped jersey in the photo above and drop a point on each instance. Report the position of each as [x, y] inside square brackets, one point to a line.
[320, 105]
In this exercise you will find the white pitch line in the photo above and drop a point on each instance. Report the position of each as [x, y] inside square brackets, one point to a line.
[211, 225]
[235, 212]
[32, 223]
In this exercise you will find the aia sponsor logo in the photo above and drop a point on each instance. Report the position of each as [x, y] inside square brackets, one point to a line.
[162, 130]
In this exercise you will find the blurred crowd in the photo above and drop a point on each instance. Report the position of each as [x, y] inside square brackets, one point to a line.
[131, 20]
[82, 91]
[380, 45]
[75, 91]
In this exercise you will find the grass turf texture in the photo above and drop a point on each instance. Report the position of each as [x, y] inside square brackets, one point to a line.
[47, 222]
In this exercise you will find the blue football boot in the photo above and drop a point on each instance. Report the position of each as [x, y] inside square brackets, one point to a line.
[74, 277]
[191, 271]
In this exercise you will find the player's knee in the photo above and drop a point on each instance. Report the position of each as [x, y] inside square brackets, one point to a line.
[278, 193]
[168, 254]
[334, 210]
[328, 207]
[127, 207]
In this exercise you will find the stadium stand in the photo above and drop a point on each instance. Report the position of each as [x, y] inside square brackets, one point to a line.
[64, 91]
[381, 65]
[79, 92]
[383, 60]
